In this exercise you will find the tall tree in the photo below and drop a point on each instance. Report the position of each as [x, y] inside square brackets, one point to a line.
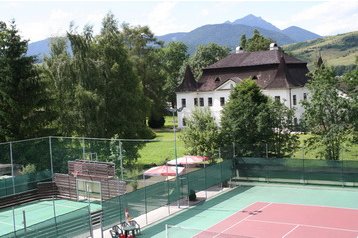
[144, 51]
[327, 113]
[257, 42]
[204, 56]
[103, 95]
[242, 118]
[173, 56]
[23, 98]
[243, 41]
[201, 134]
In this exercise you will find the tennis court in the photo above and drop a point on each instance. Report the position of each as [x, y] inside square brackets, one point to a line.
[38, 212]
[267, 211]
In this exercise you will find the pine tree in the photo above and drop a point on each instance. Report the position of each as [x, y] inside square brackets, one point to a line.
[23, 98]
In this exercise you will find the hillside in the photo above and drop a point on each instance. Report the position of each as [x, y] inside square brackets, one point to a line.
[338, 51]
[224, 34]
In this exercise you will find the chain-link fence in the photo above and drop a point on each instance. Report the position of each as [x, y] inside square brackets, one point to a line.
[164, 193]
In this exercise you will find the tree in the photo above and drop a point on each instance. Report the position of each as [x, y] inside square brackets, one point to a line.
[257, 42]
[243, 41]
[25, 109]
[103, 95]
[327, 113]
[280, 119]
[204, 56]
[201, 133]
[145, 54]
[173, 57]
[243, 118]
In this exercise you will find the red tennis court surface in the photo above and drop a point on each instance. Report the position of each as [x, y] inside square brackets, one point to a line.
[271, 220]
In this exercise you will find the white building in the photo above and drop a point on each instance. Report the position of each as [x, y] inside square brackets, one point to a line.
[279, 76]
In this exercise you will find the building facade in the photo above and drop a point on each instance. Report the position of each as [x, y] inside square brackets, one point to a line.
[280, 76]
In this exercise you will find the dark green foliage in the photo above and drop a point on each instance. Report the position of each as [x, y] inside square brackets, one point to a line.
[243, 41]
[204, 56]
[192, 195]
[251, 120]
[98, 92]
[257, 42]
[201, 134]
[173, 56]
[145, 54]
[156, 123]
[327, 114]
[25, 108]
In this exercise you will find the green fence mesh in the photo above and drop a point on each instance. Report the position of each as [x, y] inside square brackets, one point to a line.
[68, 225]
[23, 183]
[160, 194]
[304, 171]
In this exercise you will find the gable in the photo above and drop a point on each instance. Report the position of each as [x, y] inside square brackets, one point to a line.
[228, 85]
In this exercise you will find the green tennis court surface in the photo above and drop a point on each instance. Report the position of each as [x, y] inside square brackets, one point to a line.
[39, 211]
[213, 211]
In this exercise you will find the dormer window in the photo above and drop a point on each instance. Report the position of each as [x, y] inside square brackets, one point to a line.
[254, 77]
[217, 80]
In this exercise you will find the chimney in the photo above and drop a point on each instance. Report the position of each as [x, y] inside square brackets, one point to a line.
[239, 50]
[273, 46]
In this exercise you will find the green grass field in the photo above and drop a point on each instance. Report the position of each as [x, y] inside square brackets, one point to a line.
[163, 150]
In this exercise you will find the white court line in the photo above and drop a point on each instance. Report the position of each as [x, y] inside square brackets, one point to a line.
[321, 227]
[290, 231]
[242, 220]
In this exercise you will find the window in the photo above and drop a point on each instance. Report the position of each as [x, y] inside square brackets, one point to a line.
[222, 101]
[294, 99]
[183, 102]
[295, 122]
[217, 80]
[195, 102]
[304, 96]
[201, 101]
[277, 98]
[210, 102]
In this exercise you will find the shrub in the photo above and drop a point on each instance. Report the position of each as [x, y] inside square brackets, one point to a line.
[192, 195]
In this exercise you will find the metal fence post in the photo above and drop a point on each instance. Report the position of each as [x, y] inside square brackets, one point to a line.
[51, 162]
[12, 169]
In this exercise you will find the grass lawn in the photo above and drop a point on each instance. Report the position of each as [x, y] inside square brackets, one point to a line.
[350, 153]
[163, 150]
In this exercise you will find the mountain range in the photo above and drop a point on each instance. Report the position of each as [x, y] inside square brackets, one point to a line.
[225, 34]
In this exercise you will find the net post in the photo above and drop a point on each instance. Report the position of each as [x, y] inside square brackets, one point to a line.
[54, 213]
[90, 220]
[166, 231]
[145, 203]
[24, 222]
[13, 219]
[342, 169]
[168, 197]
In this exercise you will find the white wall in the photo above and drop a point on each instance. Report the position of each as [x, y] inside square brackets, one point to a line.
[225, 92]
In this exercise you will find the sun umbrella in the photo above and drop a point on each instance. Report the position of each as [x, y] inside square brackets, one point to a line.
[188, 159]
[163, 170]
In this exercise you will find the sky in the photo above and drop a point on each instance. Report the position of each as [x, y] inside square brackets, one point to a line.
[37, 20]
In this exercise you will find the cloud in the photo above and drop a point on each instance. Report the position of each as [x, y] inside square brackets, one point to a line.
[327, 18]
[160, 18]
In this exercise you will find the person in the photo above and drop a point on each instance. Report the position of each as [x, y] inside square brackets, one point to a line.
[127, 217]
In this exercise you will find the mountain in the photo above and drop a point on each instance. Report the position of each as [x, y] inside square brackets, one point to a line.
[340, 51]
[226, 34]
[39, 48]
[251, 20]
[298, 34]
[229, 33]
[223, 34]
